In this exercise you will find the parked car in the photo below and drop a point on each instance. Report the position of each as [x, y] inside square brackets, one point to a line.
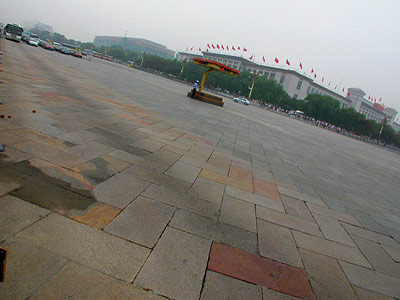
[241, 100]
[77, 54]
[47, 46]
[33, 40]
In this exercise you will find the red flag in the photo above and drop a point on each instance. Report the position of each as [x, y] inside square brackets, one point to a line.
[343, 90]
[251, 57]
[329, 83]
[287, 62]
[348, 93]
[239, 48]
[301, 66]
[315, 75]
[244, 49]
[375, 101]
[380, 99]
[227, 47]
[212, 45]
[199, 49]
[335, 87]
[323, 79]
[312, 70]
[217, 46]
[222, 46]
[191, 49]
[276, 60]
[369, 97]
[233, 48]
[207, 50]
[208, 45]
[263, 59]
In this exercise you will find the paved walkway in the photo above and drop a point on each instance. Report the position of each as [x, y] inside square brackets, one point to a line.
[114, 185]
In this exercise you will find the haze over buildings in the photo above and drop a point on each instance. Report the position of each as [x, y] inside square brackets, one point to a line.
[352, 43]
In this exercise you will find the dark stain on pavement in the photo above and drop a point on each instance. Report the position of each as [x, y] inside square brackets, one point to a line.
[43, 190]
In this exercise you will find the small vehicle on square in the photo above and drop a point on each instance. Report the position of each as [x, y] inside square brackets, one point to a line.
[241, 100]
[33, 40]
[13, 32]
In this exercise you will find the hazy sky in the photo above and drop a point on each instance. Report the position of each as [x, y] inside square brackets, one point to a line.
[352, 42]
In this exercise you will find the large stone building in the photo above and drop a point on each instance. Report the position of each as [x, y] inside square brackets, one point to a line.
[135, 44]
[299, 85]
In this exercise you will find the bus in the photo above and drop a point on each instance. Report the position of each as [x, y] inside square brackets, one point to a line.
[13, 32]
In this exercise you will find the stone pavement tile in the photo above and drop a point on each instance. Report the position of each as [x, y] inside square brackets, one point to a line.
[255, 199]
[221, 287]
[28, 267]
[238, 213]
[269, 294]
[148, 145]
[326, 277]
[182, 200]
[6, 187]
[288, 221]
[371, 280]
[41, 138]
[16, 214]
[119, 190]
[377, 257]
[173, 133]
[214, 230]
[6, 126]
[88, 246]
[7, 138]
[174, 147]
[266, 189]
[139, 161]
[394, 233]
[276, 242]
[50, 154]
[101, 168]
[296, 208]
[241, 174]
[370, 235]
[300, 196]
[334, 203]
[75, 179]
[176, 266]
[227, 180]
[333, 230]
[77, 282]
[14, 155]
[157, 178]
[346, 218]
[368, 295]
[164, 157]
[367, 221]
[89, 150]
[142, 222]
[98, 216]
[393, 252]
[183, 171]
[79, 137]
[220, 163]
[260, 271]
[330, 248]
[208, 190]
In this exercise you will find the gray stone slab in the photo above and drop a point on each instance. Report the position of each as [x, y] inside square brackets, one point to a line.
[79, 137]
[367, 221]
[296, 208]
[142, 222]
[288, 221]
[87, 246]
[164, 157]
[208, 190]
[329, 248]
[221, 287]
[327, 278]
[276, 242]
[333, 230]
[371, 280]
[393, 252]
[347, 218]
[139, 161]
[271, 294]
[182, 200]
[216, 231]
[255, 199]
[238, 213]
[300, 196]
[377, 257]
[183, 171]
[16, 214]
[28, 267]
[89, 150]
[370, 235]
[176, 266]
[368, 295]
[119, 190]
[6, 187]
[77, 282]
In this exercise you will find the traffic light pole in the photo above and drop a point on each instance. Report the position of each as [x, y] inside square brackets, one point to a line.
[204, 79]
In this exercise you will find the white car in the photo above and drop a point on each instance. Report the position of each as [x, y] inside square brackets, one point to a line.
[33, 40]
[241, 100]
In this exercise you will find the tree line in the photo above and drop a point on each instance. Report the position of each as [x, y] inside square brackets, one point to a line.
[267, 91]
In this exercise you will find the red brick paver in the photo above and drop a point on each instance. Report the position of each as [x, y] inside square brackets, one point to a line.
[261, 271]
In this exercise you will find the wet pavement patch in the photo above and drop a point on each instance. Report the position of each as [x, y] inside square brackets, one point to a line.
[45, 191]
